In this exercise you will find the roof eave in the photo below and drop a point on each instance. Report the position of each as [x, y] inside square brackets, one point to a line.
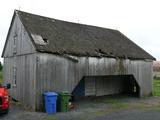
[105, 56]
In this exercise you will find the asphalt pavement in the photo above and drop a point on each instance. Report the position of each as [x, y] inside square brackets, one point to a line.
[99, 109]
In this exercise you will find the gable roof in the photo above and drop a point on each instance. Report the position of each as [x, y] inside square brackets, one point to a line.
[61, 37]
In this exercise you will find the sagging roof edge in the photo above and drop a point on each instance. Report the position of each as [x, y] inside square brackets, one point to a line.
[78, 55]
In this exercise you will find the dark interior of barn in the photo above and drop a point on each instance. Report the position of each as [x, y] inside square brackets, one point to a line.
[107, 85]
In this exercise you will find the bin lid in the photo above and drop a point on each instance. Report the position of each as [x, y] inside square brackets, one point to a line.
[50, 94]
[65, 93]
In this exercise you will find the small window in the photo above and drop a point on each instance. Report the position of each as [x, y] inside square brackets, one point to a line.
[15, 44]
[15, 37]
[14, 75]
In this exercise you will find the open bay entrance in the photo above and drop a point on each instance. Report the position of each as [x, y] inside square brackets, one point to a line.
[107, 85]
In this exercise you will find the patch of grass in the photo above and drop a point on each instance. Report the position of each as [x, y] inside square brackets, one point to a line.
[115, 103]
[50, 118]
[156, 87]
[110, 100]
[1, 77]
[120, 105]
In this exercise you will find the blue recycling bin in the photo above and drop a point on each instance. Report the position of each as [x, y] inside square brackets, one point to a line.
[50, 102]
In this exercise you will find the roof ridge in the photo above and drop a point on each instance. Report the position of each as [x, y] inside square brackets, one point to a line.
[65, 20]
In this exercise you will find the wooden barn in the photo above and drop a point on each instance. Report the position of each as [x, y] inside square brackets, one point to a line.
[44, 54]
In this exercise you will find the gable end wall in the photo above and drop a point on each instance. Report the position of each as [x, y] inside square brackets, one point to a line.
[25, 62]
[22, 40]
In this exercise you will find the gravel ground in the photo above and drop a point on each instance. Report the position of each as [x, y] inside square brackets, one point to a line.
[110, 108]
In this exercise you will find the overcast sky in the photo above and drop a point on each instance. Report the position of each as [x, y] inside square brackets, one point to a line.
[139, 20]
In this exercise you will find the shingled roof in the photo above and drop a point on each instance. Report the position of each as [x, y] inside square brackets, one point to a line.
[61, 37]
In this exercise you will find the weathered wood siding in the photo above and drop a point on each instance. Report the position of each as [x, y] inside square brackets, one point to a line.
[104, 85]
[141, 69]
[18, 34]
[58, 73]
[22, 58]
[24, 90]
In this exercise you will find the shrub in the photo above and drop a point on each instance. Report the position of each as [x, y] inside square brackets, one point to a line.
[1, 67]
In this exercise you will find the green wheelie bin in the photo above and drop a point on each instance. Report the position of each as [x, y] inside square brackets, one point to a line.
[63, 102]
